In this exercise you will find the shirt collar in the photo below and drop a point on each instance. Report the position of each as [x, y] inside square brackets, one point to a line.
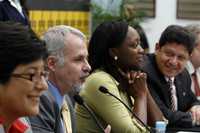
[167, 78]
[56, 93]
[190, 67]
[17, 5]
[17, 126]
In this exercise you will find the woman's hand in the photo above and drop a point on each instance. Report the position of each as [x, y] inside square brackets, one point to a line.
[137, 83]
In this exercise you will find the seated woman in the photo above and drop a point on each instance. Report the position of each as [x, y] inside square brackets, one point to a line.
[22, 76]
[115, 56]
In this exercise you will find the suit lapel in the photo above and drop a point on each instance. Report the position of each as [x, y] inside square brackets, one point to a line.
[158, 78]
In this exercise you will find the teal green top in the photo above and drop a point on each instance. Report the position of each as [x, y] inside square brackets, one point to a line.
[107, 109]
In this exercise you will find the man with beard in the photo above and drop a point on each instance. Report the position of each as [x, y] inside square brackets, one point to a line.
[168, 80]
[68, 67]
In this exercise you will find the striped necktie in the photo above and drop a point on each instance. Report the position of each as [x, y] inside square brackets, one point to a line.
[173, 97]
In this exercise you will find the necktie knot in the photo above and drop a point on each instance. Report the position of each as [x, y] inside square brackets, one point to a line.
[64, 107]
[170, 82]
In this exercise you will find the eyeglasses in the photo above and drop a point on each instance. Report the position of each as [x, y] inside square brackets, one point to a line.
[32, 76]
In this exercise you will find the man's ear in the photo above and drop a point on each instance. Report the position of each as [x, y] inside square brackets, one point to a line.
[113, 52]
[157, 47]
[51, 63]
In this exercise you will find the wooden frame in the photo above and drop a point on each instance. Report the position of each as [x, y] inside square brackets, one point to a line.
[147, 6]
[188, 9]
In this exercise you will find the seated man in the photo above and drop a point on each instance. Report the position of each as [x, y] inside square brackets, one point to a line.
[68, 68]
[169, 82]
[193, 66]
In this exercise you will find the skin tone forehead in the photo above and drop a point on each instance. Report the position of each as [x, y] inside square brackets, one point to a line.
[174, 46]
[131, 36]
[132, 33]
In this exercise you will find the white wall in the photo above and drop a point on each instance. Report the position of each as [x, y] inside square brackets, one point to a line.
[164, 16]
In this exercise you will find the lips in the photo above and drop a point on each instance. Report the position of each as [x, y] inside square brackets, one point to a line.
[83, 78]
[35, 98]
[140, 58]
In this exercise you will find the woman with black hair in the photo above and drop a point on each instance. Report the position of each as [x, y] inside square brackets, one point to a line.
[22, 76]
[115, 57]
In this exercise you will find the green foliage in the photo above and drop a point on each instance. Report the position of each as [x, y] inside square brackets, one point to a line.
[126, 13]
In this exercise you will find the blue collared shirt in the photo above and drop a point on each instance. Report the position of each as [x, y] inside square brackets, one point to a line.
[56, 94]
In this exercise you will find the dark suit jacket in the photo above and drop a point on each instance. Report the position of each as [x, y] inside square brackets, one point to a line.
[9, 13]
[159, 89]
[49, 119]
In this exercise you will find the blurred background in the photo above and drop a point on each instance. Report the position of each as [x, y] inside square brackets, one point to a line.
[149, 17]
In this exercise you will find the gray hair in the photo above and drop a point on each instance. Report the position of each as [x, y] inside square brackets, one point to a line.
[55, 40]
[195, 30]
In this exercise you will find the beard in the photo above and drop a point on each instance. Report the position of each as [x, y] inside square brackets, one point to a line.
[75, 89]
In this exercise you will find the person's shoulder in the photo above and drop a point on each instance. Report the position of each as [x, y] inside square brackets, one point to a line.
[47, 95]
[48, 101]
[97, 79]
[184, 77]
[184, 73]
[100, 75]
[149, 63]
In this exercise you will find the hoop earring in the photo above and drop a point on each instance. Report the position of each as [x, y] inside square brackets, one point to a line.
[115, 58]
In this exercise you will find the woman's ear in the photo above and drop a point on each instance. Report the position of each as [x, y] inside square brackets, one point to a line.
[51, 63]
[113, 52]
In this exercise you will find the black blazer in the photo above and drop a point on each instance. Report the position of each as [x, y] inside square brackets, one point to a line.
[49, 118]
[10, 13]
[159, 89]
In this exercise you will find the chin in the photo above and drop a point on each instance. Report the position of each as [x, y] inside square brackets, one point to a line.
[33, 111]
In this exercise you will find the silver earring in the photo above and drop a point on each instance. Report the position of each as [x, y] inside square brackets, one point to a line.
[115, 57]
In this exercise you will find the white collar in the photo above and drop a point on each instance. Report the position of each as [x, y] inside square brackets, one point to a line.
[17, 5]
[190, 67]
[167, 78]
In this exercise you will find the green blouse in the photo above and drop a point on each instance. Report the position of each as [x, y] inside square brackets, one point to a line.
[107, 109]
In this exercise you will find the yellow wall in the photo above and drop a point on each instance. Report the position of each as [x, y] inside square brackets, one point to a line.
[41, 20]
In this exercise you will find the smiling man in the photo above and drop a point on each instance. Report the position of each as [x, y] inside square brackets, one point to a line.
[169, 82]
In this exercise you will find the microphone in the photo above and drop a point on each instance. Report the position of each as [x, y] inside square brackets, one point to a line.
[80, 101]
[105, 91]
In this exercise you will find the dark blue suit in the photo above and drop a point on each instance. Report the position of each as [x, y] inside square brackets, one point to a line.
[159, 89]
[10, 13]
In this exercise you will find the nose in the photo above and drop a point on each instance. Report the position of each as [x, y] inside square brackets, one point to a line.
[41, 84]
[140, 49]
[173, 60]
[87, 67]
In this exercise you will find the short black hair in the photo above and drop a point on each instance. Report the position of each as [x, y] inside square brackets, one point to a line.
[18, 45]
[177, 34]
[107, 35]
